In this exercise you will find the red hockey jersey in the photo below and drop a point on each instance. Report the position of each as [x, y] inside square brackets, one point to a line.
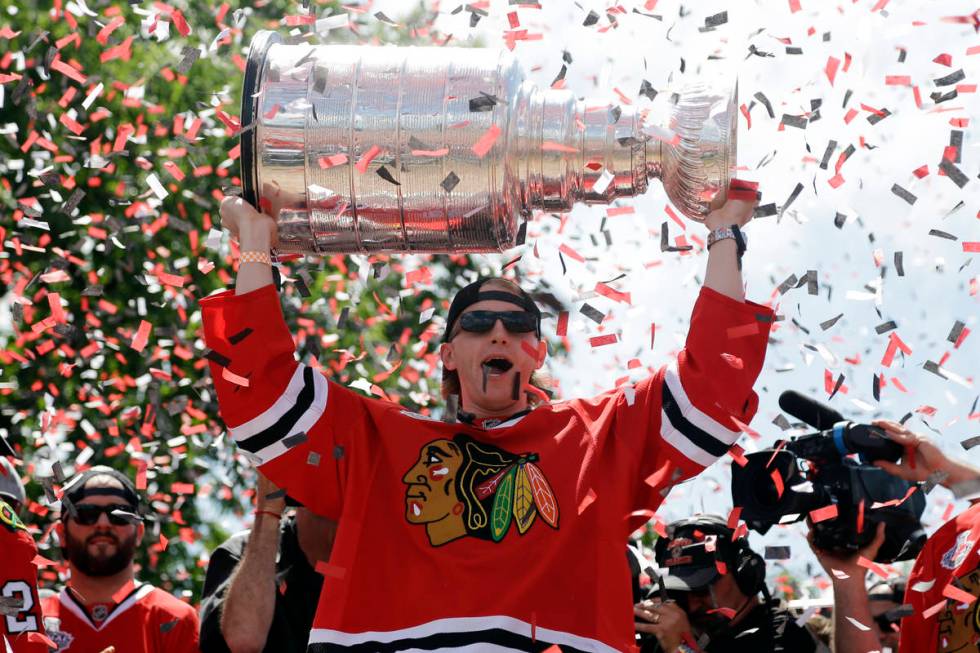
[148, 620]
[20, 610]
[456, 536]
[947, 576]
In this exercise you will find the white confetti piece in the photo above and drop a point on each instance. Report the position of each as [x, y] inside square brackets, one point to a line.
[91, 97]
[426, 315]
[602, 183]
[858, 624]
[332, 22]
[840, 575]
[214, 239]
[923, 585]
[156, 186]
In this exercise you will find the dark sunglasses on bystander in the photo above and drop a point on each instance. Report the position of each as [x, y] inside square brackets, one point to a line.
[118, 514]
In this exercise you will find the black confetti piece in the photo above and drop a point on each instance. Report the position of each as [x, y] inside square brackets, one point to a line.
[839, 220]
[969, 443]
[876, 387]
[781, 421]
[847, 97]
[811, 282]
[647, 90]
[955, 174]
[942, 234]
[792, 197]
[939, 98]
[521, 234]
[295, 440]
[837, 385]
[168, 626]
[952, 78]
[485, 102]
[765, 102]
[794, 121]
[592, 313]
[718, 19]
[92, 291]
[188, 56]
[765, 210]
[831, 322]
[313, 459]
[901, 55]
[384, 19]
[216, 358]
[278, 494]
[385, 174]
[342, 320]
[831, 146]
[591, 19]
[564, 268]
[904, 194]
[416, 144]
[338, 451]
[303, 283]
[515, 390]
[786, 285]
[931, 366]
[885, 327]
[450, 182]
[875, 118]
[794, 50]
[777, 553]
[486, 375]
[899, 267]
[241, 335]
[561, 75]
[956, 140]
[956, 332]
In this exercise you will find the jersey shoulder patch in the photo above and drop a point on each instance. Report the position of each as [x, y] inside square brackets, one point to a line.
[9, 519]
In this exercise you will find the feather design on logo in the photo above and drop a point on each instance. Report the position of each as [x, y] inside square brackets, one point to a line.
[486, 488]
[502, 506]
[544, 498]
[524, 510]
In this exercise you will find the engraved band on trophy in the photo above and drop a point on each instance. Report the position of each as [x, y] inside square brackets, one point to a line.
[428, 149]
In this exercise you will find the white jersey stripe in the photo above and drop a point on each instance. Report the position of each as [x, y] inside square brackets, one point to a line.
[286, 401]
[692, 413]
[460, 625]
[303, 424]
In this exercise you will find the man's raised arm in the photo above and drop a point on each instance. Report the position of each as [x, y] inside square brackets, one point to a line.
[257, 235]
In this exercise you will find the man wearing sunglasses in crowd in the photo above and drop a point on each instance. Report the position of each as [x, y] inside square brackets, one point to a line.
[501, 523]
[103, 605]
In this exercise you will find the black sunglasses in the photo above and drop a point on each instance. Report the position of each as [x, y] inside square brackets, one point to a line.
[118, 514]
[483, 321]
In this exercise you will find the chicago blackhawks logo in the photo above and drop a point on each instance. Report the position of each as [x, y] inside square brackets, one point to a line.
[462, 487]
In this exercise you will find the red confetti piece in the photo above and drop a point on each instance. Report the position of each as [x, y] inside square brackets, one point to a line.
[486, 141]
[586, 501]
[562, 329]
[921, 171]
[836, 181]
[831, 69]
[742, 331]
[529, 349]
[551, 146]
[612, 293]
[619, 210]
[182, 488]
[111, 26]
[68, 71]
[600, 341]
[794, 6]
[71, 124]
[431, 153]
[365, 160]
[972, 247]
[943, 59]
[174, 170]
[330, 571]
[181, 23]
[898, 80]
[872, 566]
[931, 612]
[673, 216]
[231, 377]
[332, 160]
[571, 253]
[142, 336]
[823, 514]
[849, 116]
[879, 5]
[960, 596]
[777, 480]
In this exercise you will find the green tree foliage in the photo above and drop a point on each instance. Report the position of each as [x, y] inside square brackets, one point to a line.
[118, 126]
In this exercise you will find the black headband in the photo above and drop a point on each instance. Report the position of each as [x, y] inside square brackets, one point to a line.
[471, 294]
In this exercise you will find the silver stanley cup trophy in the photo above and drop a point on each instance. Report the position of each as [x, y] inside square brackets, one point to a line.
[411, 149]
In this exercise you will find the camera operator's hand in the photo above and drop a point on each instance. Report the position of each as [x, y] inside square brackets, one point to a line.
[665, 621]
[926, 458]
[847, 563]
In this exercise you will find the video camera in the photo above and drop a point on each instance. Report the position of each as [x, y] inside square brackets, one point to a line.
[830, 475]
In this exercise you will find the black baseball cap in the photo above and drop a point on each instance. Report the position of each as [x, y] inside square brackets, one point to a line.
[471, 294]
[691, 551]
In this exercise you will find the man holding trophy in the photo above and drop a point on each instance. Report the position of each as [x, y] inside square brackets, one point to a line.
[502, 529]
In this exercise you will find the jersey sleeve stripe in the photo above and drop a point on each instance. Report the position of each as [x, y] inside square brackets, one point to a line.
[298, 409]
[695, 434]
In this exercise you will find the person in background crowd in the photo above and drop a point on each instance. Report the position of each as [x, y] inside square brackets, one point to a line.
[945, 580]
[887, 598]
[712, 585]
[21, 626]
[262, 587]
[103, 605]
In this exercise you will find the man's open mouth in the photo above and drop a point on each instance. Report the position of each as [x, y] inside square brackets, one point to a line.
[495, 366]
